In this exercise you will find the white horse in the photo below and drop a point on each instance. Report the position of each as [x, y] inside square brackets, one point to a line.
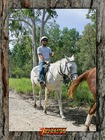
[54, 79]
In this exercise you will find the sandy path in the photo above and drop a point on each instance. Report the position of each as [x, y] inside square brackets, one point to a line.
[24, 117]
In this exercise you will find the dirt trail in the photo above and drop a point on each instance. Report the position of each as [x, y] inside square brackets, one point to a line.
[24, 117]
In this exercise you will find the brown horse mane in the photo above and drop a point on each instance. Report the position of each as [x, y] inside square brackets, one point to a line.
[81, 78]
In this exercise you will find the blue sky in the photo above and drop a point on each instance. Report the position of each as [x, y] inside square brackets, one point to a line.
[72, 18]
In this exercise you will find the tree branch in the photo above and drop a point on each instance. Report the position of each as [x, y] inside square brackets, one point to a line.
[43, 15]
[22, 20]
[46, 19]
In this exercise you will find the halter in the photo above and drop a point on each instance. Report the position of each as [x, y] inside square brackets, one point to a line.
[66, 78]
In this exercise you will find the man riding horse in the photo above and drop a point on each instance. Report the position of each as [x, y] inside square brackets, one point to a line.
[57, 73]
[44, 54]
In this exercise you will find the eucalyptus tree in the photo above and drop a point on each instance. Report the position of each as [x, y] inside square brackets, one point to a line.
[23, 23]
[46, 15]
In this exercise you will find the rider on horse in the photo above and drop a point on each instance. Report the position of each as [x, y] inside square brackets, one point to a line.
[44, 54]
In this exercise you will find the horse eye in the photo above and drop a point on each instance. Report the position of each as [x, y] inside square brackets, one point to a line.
[70, 67]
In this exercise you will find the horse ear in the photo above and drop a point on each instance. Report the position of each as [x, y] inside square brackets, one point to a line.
[73, 56]
[67, 58]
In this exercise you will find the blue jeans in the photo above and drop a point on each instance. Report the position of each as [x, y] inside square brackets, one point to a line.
[41, 71]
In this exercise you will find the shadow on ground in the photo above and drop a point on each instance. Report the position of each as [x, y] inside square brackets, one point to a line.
[76, 114]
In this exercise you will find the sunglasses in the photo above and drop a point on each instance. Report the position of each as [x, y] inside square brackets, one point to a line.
[44, 40]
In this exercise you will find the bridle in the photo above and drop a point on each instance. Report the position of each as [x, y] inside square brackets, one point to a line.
[66, 78]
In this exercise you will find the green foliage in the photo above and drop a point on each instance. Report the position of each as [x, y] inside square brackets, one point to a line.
[86, 56]
[92, 16]
[21, 59]
[28, 13]
[52, 13]
[83, 93]
[62, 41]
[16, 24]
[69, 39]
[22, 85]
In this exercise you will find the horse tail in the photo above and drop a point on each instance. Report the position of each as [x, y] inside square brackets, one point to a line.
[32, 74]
[75, 84]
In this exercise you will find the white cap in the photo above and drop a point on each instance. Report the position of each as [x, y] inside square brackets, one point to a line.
[43, 37]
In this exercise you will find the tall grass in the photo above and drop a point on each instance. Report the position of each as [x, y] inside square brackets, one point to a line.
[22, 85]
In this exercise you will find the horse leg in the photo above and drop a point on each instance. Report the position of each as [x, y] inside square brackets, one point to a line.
[40, 95]
[89, 116]
[33, 87]
[60, 104]
[46, 97]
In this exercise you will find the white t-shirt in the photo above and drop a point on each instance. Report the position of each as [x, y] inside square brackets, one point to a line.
[45, 51]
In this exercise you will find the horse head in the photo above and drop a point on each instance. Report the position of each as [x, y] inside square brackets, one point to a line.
[71, 67]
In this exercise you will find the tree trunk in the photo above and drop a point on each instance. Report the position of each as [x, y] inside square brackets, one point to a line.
[34, 49]
[101, 68]
[4, 134]
[100, 5]
[42, 23]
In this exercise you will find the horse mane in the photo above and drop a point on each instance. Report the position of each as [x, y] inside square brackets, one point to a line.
[81, 78]
[63, 59]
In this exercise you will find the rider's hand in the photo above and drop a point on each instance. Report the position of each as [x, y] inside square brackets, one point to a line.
[47, 62]
[52, 54]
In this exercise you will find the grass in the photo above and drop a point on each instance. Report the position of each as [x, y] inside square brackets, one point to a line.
[22, 85]
[82, 95]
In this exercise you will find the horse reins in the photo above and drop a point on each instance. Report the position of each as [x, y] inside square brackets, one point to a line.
[65, 77]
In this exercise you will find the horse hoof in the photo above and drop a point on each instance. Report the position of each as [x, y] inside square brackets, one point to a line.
[40, 107]
[87, 128]
[45, 111]
[63, 117]
[35, 106]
